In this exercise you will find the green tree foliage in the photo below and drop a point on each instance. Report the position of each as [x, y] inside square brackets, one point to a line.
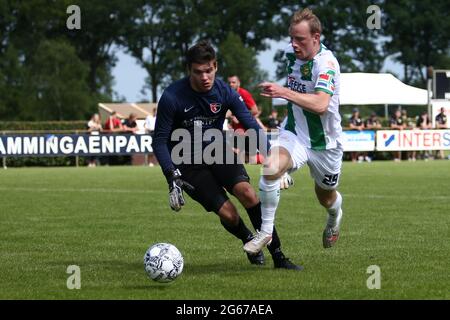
[56, 78]
[24, 28]
[102, 24]
[237, 59]
[159, 38]
[164, 31]
[419, 33]
[49, 72]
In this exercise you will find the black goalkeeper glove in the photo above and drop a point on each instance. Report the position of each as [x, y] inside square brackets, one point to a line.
[176, 186]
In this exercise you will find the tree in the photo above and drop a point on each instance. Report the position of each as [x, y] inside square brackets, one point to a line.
[26, 25]
[419, 33]
[164, 31]
[236, 59]
[159, 39]
[102, 24]
[253, 21]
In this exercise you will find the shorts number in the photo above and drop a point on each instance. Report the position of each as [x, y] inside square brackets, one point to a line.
[330, 179]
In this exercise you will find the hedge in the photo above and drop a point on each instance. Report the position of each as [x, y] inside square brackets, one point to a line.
[43, 125]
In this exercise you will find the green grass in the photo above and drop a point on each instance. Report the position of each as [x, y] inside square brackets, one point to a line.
[103, 220]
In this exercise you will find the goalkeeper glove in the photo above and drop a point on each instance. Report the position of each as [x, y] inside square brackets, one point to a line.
[176, 186]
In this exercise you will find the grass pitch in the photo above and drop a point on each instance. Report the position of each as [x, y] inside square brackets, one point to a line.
[396, 216]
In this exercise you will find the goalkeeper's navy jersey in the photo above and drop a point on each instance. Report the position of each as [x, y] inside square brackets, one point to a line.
[180, 107]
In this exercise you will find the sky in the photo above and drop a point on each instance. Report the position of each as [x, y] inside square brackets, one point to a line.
[129, 76]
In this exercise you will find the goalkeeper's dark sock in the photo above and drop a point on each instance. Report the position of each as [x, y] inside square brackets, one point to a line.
[240, 230]
[254, 213]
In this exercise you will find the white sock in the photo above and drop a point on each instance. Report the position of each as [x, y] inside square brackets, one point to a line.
[269, 193]
[333, 211]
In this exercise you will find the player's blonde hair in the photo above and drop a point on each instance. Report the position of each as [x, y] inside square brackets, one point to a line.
[307, 15]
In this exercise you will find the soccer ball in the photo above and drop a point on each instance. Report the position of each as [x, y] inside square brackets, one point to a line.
[163, 262]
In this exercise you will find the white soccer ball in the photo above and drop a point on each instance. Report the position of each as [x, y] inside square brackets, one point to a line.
[163, 262]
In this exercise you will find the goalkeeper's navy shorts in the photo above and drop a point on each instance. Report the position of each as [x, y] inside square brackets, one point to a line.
[211, 181]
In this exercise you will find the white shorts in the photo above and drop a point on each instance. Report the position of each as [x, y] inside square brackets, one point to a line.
[324, 165]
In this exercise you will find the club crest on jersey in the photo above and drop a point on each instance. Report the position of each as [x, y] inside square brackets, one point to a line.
[215, 107]
[306, 70]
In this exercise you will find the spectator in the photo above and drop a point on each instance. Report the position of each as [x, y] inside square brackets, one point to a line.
[130, 127]
[250, 103]
[273, 122]
[130, 124]
[113, 123]
[396, 122]
[356, 123]
[235, 83]
[94, 127]
[441, 120]
[372, 123]
[149, 126]
[441, 123]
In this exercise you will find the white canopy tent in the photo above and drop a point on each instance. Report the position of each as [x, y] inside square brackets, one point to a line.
[379, 88]
[375, 89]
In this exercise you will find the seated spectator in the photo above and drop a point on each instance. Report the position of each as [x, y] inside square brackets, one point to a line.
[113, 123]
[94, 127]
[356, 123]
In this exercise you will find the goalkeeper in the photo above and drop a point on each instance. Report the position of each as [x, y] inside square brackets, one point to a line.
[200, 101]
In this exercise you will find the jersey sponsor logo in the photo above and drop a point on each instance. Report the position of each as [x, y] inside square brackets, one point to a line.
[306, 70]
[200, 121]
[187, 109]
[215, 107]
[326, 81]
